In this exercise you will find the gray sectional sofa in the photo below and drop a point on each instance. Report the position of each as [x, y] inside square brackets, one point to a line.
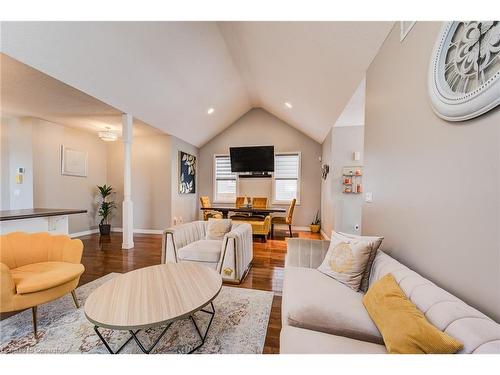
[321, 315]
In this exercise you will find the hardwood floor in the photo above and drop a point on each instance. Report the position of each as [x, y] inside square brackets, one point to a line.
[104, 255]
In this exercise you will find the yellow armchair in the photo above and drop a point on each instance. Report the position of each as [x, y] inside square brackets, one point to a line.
[37, 268]
[260, 228]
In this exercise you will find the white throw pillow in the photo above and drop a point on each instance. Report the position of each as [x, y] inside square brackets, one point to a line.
[346, 260]
[375, 242]
[217, 228]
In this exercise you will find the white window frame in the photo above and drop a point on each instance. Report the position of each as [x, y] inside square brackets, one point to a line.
[299, 180]
[214, 178]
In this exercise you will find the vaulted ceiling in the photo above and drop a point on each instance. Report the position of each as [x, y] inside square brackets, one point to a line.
[168, 74]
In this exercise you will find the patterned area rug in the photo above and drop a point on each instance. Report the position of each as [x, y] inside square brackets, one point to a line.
[239, 326]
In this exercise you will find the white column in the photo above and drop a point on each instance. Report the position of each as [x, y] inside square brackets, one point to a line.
[127, 206]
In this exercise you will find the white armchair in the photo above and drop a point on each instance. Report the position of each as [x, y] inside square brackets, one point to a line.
[231, 256]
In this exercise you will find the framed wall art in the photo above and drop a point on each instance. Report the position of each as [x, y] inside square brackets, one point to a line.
[187, 173]
[73, 162]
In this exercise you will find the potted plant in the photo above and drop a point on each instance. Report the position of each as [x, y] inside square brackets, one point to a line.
[316, 224]
[105, 209]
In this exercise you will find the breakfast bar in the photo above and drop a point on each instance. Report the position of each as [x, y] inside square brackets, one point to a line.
[52, 220]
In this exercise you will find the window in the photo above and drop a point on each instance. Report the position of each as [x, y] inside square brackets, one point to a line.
[225, 180]
[286, 181]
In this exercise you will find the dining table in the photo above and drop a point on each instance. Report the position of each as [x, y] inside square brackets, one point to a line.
[260, 211]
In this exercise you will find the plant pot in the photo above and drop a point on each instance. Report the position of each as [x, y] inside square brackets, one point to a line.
[315, 228]
[104, 229]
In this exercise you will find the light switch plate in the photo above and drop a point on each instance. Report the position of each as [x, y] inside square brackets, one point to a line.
[369, 197]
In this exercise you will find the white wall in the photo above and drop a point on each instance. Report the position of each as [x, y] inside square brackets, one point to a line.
[340, 211]
[259, 127]
[17, 151]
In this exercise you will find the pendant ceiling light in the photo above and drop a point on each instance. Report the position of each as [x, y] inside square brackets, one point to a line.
[107, 135]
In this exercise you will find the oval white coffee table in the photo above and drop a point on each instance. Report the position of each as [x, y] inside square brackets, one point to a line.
[152, 297]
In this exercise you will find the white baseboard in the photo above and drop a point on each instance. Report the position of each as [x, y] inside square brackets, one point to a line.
[140, 231]
[84, 233]
[301, 229]
[324, 235]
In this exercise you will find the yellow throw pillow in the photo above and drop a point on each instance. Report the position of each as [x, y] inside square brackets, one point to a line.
[404, 327]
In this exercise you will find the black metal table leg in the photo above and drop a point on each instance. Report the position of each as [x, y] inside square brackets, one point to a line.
[133, 335]
[203, 337]
[107, 345]
[147, 351]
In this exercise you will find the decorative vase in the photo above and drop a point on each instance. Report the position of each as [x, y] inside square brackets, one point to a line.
[104, 229]
[314, 228]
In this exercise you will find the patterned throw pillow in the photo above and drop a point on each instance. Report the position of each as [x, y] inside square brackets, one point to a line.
[346, 261]
[375, 242]
[217, 228]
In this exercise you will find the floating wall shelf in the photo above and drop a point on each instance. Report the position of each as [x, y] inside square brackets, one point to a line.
[352, 180]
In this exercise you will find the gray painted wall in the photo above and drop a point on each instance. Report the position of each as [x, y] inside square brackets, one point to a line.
[36, 145]
[151, 180]
[435, 184]
[259, 127]
[327, 216]
[184, 206]
[340, 211]
[17, 152]
[154, 181]
[51, 188]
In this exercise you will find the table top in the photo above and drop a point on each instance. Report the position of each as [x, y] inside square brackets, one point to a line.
[243, 209]
[152, 296]
[30, 213]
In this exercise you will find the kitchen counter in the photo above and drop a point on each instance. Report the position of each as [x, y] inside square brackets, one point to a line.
[52, 220]
[36, 212]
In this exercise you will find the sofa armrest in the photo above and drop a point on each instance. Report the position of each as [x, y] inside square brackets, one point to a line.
[7, 289]
[237, 251]
[306, 253]
[177, 237]
[72, 251]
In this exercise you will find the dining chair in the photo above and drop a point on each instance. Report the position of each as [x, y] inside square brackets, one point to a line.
[205, 203]
[259, 202]
[284, 220]
[240, 202]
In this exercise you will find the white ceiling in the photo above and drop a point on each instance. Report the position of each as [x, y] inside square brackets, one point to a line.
[168, 74]
[27, 92]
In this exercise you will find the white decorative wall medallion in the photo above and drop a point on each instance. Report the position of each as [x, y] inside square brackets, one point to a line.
[464, 72]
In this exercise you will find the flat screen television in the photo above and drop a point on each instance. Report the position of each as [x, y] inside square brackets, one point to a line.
[252, 159]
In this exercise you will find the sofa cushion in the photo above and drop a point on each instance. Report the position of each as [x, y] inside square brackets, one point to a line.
[375, 242]
[201, 251]
[346, 260]
[404, 327]
[36, 277]
[303, 341]
[476, 331]
[315, 301]
[217, 228]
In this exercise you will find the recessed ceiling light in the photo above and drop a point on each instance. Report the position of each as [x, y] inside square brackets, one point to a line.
[288, 105]
[210, 111]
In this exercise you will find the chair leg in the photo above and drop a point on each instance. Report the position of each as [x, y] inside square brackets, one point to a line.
[33, 310]
[290, 229]
[272, 231]
[75, 300]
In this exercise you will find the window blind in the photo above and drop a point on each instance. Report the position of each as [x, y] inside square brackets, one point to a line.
[286, 177]
[225, 180]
